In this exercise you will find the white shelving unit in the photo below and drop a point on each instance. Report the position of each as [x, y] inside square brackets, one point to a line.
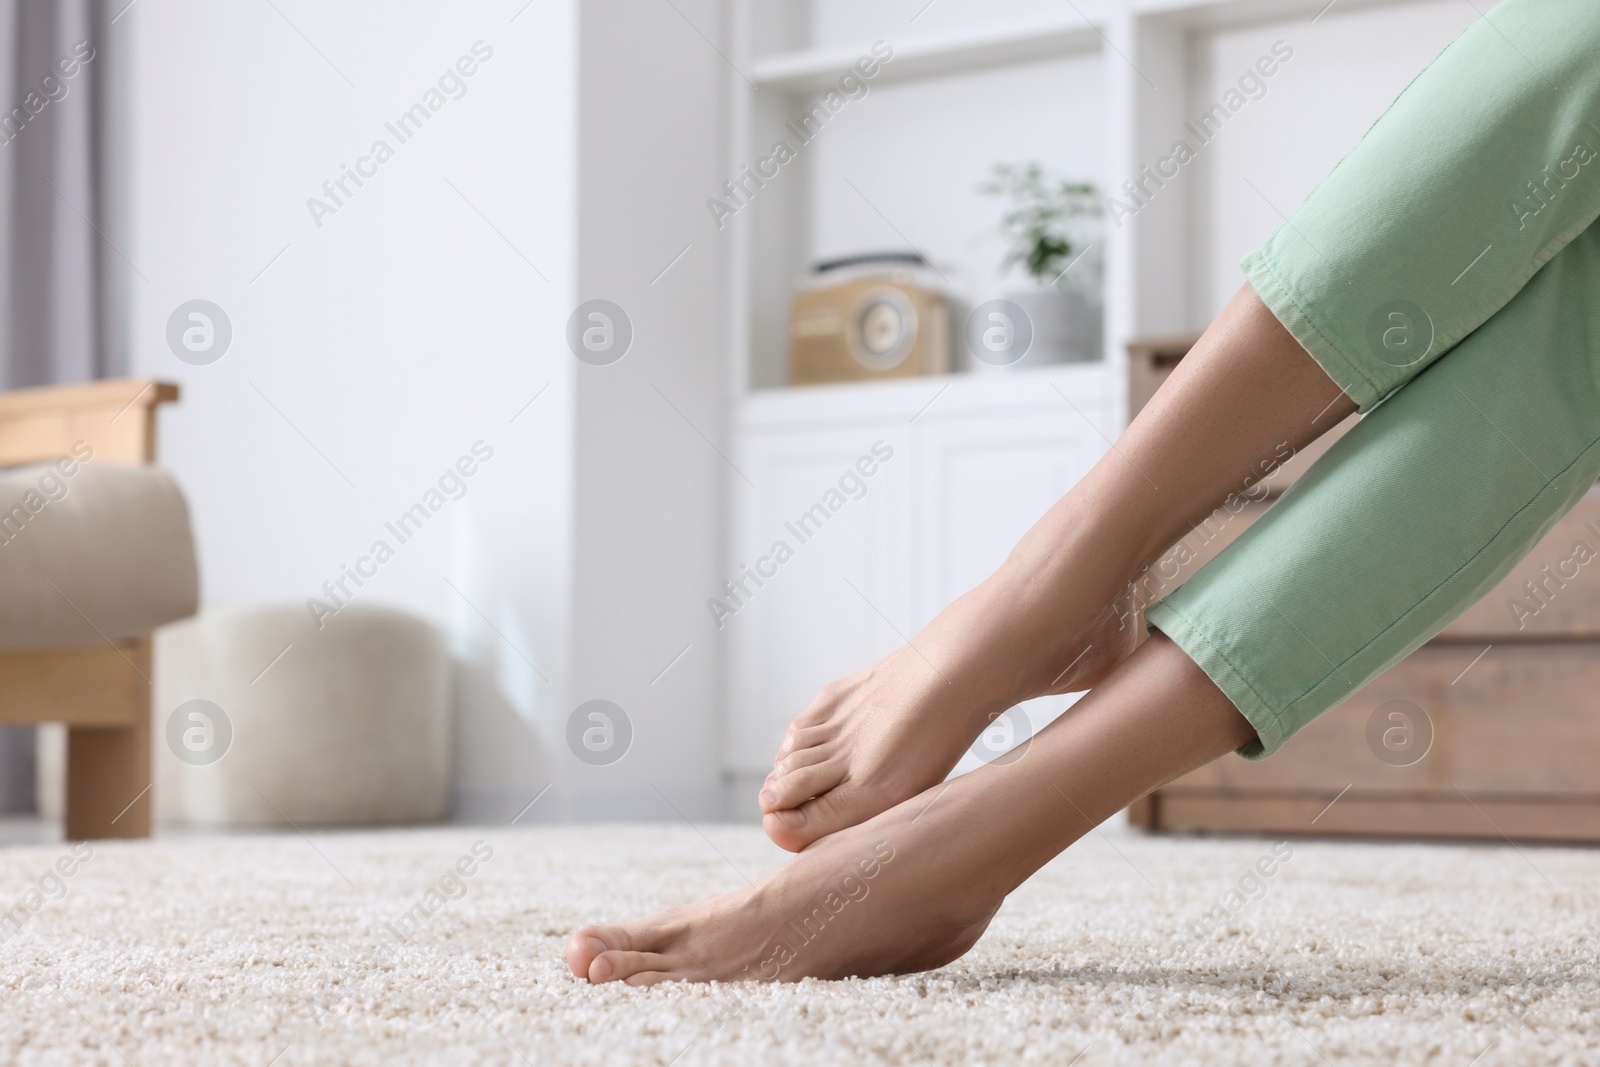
[767, 253]
[1145, 91]
[983, 454]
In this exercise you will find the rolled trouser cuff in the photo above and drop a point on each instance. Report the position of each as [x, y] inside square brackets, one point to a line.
[1410, 518]
[1479, 173]
[1233, 678]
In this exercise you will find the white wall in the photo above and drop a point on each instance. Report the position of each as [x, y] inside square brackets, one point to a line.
[423, 316]
[1347, 68]
[391, 338]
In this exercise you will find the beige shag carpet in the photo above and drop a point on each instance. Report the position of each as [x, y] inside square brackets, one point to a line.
[267, 950]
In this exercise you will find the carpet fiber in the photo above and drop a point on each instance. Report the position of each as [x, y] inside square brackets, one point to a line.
[1125, 950]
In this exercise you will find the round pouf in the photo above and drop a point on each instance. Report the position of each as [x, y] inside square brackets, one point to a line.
[260, 718]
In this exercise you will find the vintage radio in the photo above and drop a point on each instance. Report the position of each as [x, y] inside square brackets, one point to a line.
[868, 317]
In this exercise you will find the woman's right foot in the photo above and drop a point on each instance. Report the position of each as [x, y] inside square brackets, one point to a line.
[880, 737]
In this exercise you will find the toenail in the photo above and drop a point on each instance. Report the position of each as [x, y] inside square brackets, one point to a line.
[596, 945]
[794, 818]
[768, 798]
[603, 967]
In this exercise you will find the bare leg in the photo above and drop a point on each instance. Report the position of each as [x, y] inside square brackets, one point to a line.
[914, 887]
[884, 735]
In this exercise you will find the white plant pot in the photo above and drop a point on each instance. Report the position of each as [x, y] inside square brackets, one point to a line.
[1066, 326]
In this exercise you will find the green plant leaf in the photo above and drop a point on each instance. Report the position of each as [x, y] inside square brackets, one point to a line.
[1038, 226]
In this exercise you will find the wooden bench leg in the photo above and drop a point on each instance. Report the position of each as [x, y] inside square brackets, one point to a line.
[108, 768]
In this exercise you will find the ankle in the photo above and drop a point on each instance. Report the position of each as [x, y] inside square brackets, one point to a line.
[1008, 639]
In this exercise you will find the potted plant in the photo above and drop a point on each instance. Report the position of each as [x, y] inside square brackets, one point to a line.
[1047, 228]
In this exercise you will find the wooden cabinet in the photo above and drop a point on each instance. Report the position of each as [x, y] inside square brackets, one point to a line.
[1503, 711]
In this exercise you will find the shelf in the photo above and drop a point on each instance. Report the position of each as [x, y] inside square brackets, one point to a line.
[933, 398]
[810, 69]
[1213, 14]
[972, 49]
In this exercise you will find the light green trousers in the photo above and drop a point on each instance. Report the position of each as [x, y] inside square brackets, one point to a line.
[1447, 276]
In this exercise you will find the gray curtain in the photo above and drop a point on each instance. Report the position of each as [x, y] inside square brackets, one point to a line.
[52, 214]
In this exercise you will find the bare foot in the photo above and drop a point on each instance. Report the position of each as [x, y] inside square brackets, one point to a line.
[884, 897]
[884, 735]
[915, 887]
[1244, 399]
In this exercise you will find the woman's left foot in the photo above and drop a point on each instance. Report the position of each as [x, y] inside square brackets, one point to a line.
[884, 735]
[897, 894]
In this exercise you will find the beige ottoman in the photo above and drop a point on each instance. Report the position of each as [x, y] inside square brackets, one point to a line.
[262, 719]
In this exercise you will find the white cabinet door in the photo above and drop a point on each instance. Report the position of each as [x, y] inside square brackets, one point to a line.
[982, 482]
[974, 464]
[842, 595]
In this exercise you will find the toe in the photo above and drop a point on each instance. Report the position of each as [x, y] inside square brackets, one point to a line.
[800, 758]
[799, 738]
[616, 966]
[795, 828]
[787, 828]
[583, 948]
[794, 789]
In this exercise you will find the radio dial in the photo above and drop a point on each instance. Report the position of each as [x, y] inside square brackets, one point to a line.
[885, 327]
